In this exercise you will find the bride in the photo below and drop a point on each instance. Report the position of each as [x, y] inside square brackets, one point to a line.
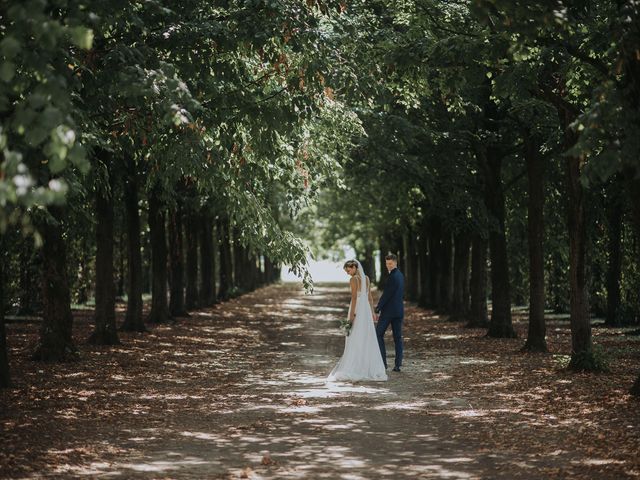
[361, 359]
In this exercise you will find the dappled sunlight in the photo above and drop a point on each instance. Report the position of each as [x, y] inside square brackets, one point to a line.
[241, 391]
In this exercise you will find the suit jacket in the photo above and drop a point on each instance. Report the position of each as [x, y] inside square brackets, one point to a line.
[391, 303]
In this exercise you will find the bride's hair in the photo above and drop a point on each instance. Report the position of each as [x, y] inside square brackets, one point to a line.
[350, 263]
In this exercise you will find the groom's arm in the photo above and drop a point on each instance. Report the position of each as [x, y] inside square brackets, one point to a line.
[387, 293]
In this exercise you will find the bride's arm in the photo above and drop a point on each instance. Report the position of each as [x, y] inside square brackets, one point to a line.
[354, 298]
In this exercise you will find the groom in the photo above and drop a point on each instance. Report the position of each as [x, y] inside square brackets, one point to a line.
[391, 310]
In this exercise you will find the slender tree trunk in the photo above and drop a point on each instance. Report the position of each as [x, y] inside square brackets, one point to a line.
[105, 332]
[580, 317]
[192, 234]
[238, 270]
[159, 306]
[277, 272]
[478, 315]
[225, 259]
[424, 299]
[446, 286]
[133, 321]
[176, 259]
[500, 325]
[5, 376]
[398, 249]
[147, 283]
[56, 343]
[581, 347]
[634, 192]
[582, 357]
[412, 266]
[407, 267]
[436, 261]
[121, 264]
[268, 270]
[614, 267]
[208, 285]
[251, 271]
[30, 266]
[536, 336]
[384, 273]
[369, 264]
[84, 275]
[460, 305]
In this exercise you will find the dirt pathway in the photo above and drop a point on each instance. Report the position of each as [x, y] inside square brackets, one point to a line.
[239, 392]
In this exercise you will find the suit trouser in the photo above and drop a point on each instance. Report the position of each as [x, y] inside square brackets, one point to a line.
[396, 328]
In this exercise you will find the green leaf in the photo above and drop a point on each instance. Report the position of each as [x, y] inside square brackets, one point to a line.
[7, 71]
[78, 157]
[35, 135]
[82, 37]
[9, 47]
[56, 164]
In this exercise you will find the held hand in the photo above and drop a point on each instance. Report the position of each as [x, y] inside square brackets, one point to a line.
[375, 317]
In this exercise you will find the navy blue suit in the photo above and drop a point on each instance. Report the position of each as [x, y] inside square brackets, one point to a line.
[391, 308]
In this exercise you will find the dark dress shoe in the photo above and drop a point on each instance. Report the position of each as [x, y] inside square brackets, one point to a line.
[396, 369]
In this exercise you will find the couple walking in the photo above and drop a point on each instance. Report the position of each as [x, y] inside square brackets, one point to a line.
[365, 356]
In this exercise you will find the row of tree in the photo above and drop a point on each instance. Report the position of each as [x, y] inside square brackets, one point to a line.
[501, 143]
[130, 132]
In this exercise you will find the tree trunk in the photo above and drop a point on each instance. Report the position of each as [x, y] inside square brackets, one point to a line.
[398, 249]
[176, 260]
[536, 336]
[157, 232]
[614, 267]
[251, 271]
[5, 377]
[30, 266]
[192, 239]
[105, 332]
[239, 273]
[56, 343]
[225, 258]
[580, 318]
[424, 298]
[268, 270]
[133, 321]
[84, 275]
[500, 325]
[435, 261]
[478, 315]
[384, 273]
[121, 264]
[208, 284]
[582, 357]
[460, 304]
[445, 298]
[412, 266]
[277, 272]
[634, 187]
[369, 264]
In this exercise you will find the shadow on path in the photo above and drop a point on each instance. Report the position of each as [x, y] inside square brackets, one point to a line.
[240, 392]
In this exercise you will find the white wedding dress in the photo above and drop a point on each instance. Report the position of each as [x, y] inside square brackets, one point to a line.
[361, 359]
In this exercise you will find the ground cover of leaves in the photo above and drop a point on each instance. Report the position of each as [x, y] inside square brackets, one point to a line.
[238, 391]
